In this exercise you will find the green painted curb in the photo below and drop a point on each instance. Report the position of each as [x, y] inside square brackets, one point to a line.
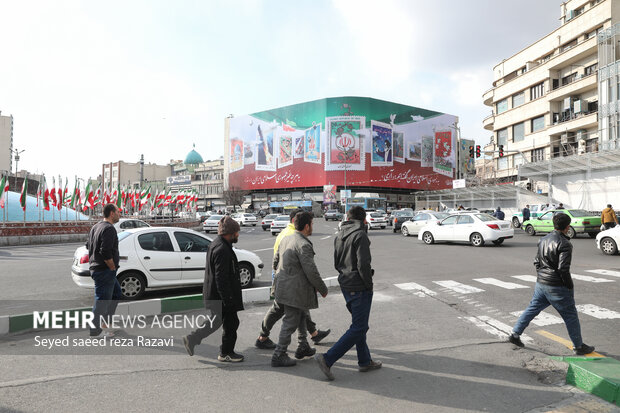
[183, 303]
[599, 376]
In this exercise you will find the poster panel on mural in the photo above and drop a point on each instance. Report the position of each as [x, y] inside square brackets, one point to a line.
[299, 145]
[236, 155]
[285, 149]
[443, 162]
[329, 194]
[399, 146]
[312, 144]
[344, 143]
[381, 144]
[427, 152]
[414, 149]
[265, 149]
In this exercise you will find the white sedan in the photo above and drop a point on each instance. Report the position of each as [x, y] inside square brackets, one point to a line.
[423, 218]
[475, 228]
[375, 220]
[212, 223]
[607, 241]
[279, 223]
[159, 257]
[124, 224]
[245, 219]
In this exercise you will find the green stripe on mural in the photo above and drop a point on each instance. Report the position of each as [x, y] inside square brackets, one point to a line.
[183, 303]
[20, 323]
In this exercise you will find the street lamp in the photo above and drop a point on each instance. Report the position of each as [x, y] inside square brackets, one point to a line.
[16, 152]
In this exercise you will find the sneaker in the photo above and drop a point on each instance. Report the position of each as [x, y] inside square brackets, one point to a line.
[515, 340]
[265, 345]
[320, 335]
[282, 360]
[189, 346]
[583, 349]
[108, 333]
[230, 358]
[374, 365]
[304, 351]
[324, 367]
[95, 332]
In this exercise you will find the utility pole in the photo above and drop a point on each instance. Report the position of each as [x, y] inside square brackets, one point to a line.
[141, 170]
[16, 157]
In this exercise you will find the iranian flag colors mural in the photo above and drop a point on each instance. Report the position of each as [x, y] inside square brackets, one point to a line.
[377, 143]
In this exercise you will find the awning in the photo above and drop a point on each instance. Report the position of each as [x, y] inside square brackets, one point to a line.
[593, 161]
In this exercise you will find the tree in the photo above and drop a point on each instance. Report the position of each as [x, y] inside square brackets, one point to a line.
[235, 196]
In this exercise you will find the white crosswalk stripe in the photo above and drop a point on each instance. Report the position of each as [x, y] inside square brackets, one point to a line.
[417, 289]
[498, 283]
[458, 287]
[606, 272]
[528, 278]
[495, 327]
[591, 279]
[542, 319]
[597, 312]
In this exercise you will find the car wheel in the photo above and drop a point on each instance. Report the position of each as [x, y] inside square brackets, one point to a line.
[253, 225]
[404, 231]
[132, 284]
[608, 246]
[274, 233]
[571, 233]
[326, 219]
[246, 274]
[476, 239]
[498, 241]
[530, 230]
[515, 222]
[428, 239]
[592, 234]
[264, 229]
[382, 226]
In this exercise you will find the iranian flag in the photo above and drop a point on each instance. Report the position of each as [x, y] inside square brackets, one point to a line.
[52, 193]
[168, 198]
[119, 198]
[145, 195]
[4, 187]
[23, 196]
[61, 200]
[98, 198]
[75, 197]
[46, 195]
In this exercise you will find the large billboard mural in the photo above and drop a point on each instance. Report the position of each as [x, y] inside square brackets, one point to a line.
[313, 144]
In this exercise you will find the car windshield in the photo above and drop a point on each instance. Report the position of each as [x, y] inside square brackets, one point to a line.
[270, 216]
[248, 215]
[283, 218]
[215, 217]
[485, 217]
[441, 215]
[402, 214]
[123, 235]
[578, 213]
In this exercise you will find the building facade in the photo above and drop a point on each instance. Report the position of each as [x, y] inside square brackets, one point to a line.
[6, 144]
[133, 175]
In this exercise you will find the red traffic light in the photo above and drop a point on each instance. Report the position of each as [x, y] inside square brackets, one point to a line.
[477, 151]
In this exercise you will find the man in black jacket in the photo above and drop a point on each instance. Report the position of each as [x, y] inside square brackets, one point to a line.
[554, 285]
[352, 261]
[222, 285]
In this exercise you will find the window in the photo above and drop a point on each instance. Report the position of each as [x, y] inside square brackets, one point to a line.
[569, 79]
[590, 70]
[538, 155]
[501, 106]
[537, 91]
[451, 220]
[518, 159]
[567, 46]
[114, 173]
[465, 219]
[155, 241]
[191, 243]
[518, 99]
[518, 132]
[421, 217]
[502, 137]
[502, 163]
[546, 58]
[538, 123]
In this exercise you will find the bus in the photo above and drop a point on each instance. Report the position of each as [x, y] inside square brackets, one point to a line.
[366, 203]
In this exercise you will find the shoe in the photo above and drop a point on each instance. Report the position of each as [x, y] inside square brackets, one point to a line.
[320, 335]
[374, 365]
[282, 360]
[515, 340]
[265, 345]
[189, 346]
[108, 333]
[324, 367]
[95, 332]
[304, 351]
[583, 349]
[230, 358]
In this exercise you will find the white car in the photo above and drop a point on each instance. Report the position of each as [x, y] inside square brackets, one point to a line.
[475, 228]
[267, 220]
[124, 224]
[279, 223]
[375, 220]
[160, 257]
[211, 223]
[423, 218]
[245, 219]
[607, 240]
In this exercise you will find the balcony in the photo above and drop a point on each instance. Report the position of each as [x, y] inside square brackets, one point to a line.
[574, 87]
[487, 123]
[487, 97]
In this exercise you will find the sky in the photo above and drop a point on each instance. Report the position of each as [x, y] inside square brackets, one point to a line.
[94, 82]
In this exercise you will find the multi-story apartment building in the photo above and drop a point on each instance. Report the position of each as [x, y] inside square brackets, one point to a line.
[545, 98]
[133, 174]
[6, 143]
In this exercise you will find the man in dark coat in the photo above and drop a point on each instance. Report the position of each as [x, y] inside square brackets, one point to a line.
[526, 213]
[222, 285]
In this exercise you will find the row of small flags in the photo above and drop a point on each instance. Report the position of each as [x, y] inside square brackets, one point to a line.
[89, 198]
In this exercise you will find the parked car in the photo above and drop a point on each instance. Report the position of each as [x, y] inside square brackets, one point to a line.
[398, 218]
[475, 228]
[124, 224]
[607, 240]
[266, 222]
[279, 223]
[333, 214]
[211, 223]
[375, 220]
[536, 210]
[582, 222]
[245, 218]
[158, 257]
[413, 226]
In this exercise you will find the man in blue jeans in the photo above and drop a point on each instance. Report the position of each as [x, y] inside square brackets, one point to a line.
[352, 261]
[554, 285]
[103, 258]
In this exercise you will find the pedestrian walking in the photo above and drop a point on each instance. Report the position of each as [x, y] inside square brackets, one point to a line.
[103, 260]
[608, 217]
[526, 213]
[276, 312]
[499, 214]
[554, 285]
[352, 260]
[296, 283]
[222, 285]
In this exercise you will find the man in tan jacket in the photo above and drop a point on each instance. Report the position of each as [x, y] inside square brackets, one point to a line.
[608, 217]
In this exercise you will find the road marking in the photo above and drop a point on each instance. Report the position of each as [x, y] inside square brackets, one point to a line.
[329, 236]
[597, 312]
[528, 278]
[458, 287]
[263, 249]
[606, 272]
[563, 341]
[417, 289]
[542, 319]
[495, 327]
[266, 239]
[591, 279]
[498, 283]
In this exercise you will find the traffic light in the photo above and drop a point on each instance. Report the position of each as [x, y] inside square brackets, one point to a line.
[477, 151]
[471, 151]
[501, 151]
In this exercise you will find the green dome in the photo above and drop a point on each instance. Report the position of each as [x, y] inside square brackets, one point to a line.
[193, 158]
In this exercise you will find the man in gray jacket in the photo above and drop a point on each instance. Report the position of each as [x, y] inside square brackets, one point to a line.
[296, 283]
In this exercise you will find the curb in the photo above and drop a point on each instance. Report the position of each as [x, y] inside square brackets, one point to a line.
[23, 322]
[598, 376]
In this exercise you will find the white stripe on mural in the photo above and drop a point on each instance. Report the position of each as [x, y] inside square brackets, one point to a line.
[597, 312]
[498, 283]
[528, 278]
[458, 287]
[495, 327]
[606, 272]
[416, 289]
[591, 279]
[542, 319]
